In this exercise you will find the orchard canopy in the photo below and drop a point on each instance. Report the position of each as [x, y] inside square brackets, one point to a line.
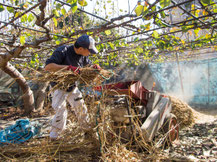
[151, 30]
[30, 30]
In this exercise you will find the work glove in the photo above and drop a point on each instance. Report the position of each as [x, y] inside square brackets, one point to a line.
[76, 70]
[96, 66]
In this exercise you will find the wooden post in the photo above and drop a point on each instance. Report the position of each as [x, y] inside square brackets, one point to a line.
[180, 75]
[208, 82]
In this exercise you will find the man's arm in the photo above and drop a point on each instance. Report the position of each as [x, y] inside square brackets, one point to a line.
[52, 67]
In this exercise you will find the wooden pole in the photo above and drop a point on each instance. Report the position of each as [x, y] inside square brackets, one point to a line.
[180, 75]
[208, 83]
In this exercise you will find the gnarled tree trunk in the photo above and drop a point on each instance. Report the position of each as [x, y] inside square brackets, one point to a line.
[40, 95]
[28, 97]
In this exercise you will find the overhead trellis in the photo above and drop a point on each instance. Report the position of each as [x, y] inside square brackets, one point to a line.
[157, 29]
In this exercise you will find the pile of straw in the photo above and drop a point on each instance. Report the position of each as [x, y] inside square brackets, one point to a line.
[70, 147]
[65, 78]
[73, 146]
[120, 153]
[183, 112]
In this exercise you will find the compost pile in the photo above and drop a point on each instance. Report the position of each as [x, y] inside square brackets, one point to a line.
[183, 112]
[66, 78]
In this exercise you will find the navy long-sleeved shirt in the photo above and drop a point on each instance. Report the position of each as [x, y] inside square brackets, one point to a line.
[65, 55]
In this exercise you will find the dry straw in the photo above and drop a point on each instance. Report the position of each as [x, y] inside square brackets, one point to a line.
[183, 112]
[107, 141]
[104, 144]
[66, 78]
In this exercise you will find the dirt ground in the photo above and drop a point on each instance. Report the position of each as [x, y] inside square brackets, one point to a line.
[199, 142]
[205, 115]
[196, 143]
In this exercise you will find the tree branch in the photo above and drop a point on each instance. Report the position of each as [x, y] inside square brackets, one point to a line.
[17, 50]
[16, 8]
[23, 13]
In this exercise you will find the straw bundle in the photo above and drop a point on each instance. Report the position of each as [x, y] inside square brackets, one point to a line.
[65, 78]
[183, 112]
[120, 153]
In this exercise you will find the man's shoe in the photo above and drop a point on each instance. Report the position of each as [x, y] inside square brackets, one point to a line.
[54, 135]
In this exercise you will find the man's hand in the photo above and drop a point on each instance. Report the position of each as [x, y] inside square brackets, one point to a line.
[96, 66]
[76, 70]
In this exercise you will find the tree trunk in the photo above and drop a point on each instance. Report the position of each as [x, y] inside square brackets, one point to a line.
[28, 98]
[40, 95]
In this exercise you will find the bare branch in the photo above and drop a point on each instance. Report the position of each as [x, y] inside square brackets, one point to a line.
[109, 22]
[16, 8]
[171, 25]
[23, 14]
[62, 36]
[17, 50]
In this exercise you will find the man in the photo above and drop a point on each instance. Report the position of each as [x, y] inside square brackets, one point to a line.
[71, 58]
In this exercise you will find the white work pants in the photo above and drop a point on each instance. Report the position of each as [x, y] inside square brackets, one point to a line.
[59, 104]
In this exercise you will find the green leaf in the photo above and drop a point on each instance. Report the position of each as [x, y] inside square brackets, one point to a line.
[17, 14]
[111, 45]
[71, 1]
[145, 10]
[162, 13]
[85, 3]
[160, 23]
[148, 26]
[16, 2]
[136, 39]
[139, 10]
[165, 3]
[55, 12]
[22, 40]
[155, 34]
[1, 8]
[107, 32]
[196, 31]
[30, 17]
[55, 21]
[36, 60]
[74, 7]
[58, 42]
[206, 2]
[10, 9]
[139, 50]
[24, 18]
[81, 2]
[58, 6]
[55, 37]
[63, 11]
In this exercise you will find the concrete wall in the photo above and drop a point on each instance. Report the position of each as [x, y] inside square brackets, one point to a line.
[198, 78]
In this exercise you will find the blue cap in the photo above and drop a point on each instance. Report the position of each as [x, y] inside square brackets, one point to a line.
[88, 42]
